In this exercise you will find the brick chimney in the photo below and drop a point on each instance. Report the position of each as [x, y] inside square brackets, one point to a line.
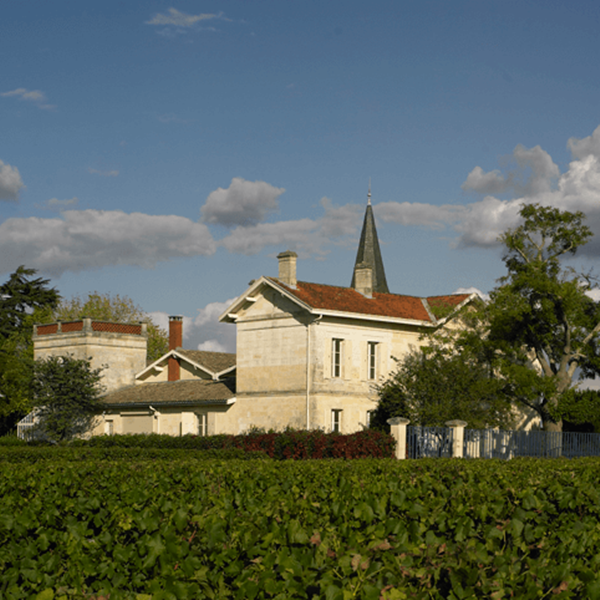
[175, 341]
[363, 279]
[287, 267]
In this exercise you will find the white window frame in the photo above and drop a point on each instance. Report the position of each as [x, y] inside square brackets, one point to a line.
[336, 420]
[109, 427]
[369, 419]
[337, 357]
[202, 424]
[372, 351]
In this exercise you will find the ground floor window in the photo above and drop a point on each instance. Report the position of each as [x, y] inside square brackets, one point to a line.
[336, 420]
[109, 428]
[370, 414]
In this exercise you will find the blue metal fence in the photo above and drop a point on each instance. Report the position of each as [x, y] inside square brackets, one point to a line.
[433, 442]
[429, 442]
[542, 444]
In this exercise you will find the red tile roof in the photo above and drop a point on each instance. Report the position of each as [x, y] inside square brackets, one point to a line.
[343, 299]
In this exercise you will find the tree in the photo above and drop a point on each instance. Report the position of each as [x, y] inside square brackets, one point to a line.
[20, 296]
[23, 301]
[537, 336]
[118, 309]
[580, 410]
[435, 384]
[541, 325]
[66, 394]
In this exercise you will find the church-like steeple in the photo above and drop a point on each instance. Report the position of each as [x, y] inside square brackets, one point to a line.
[369, 253]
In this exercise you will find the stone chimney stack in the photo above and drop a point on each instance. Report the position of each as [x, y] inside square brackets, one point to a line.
[287, 267]
[175, 341]
[363, 279]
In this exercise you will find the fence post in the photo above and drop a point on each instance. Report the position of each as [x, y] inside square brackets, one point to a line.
[458, 437]
[398, 430]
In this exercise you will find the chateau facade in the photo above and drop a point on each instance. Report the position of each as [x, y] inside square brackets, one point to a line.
[308, 355]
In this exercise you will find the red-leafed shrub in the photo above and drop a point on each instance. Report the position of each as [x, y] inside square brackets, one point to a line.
[290, 444]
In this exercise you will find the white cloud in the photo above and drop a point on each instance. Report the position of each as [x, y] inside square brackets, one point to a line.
[534, 173]
[492, 182]
[56, 204]
[242, 203]
[113, 173]
[594, 294]
[586, 146]
[306, 236]
[479, 224]
[89, 239]
[483, 222]
[204, 332]
[213, 346]
[10, 182]
[180, 19]
[35, 96]
[422, 215]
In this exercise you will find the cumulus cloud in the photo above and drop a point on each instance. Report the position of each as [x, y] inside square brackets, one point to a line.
[419, 214]
[492, 182]
[10, 182]
[306, 236]
[175, 17]
[113, 173]
[88, 239]
[534, 173]
[35, 96]
[537, 179]
[242, 203]
[587, 146]
[204, 332]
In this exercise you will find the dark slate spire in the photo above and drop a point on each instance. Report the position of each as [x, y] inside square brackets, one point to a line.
[369, 251]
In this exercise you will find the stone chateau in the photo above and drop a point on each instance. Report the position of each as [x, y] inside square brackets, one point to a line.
[308, 355]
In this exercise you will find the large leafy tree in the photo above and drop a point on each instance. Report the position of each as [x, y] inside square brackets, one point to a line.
[67, 393]
[436, 384]
[541, 326]
[24, 299]
[530, 344]
[118, 309]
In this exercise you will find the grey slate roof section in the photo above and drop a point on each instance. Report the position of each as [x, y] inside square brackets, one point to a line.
[184, 391]
[370, 253]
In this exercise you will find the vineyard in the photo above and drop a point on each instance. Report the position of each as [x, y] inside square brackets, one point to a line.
[174, 524]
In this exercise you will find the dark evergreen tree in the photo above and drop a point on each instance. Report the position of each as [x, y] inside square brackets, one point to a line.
[66, 394]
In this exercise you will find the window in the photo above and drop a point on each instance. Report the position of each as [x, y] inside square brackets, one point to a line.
[336, 358]
[109, 428]
[371, 360]
[203, 424]
[370, 414]
[336, 420]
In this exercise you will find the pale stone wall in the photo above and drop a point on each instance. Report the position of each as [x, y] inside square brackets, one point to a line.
[273, 350]
[275, 411]
[123, 355]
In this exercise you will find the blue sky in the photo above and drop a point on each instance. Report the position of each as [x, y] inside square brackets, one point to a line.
[168, 152]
